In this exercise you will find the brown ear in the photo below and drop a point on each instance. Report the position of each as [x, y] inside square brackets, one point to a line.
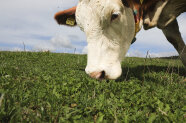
[66, 17]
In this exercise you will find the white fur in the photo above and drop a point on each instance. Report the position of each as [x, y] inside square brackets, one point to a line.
[108, 41]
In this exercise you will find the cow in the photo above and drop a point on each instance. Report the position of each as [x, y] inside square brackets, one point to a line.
[111, 25]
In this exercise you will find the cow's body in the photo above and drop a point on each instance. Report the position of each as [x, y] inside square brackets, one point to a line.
[110, 27]
[168, 24]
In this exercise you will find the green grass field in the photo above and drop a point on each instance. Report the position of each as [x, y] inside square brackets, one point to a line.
[51, 87]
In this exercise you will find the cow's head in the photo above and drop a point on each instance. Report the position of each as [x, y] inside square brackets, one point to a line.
[109, 26]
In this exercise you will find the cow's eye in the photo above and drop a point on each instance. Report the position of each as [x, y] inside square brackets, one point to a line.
[114, 16]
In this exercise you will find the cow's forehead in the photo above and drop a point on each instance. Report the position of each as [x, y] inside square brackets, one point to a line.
[99, 5]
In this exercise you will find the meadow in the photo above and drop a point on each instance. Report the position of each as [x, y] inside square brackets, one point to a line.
[53, 87]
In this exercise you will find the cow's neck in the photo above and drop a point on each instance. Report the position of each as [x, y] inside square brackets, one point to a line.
[136, 6]
[138, 17]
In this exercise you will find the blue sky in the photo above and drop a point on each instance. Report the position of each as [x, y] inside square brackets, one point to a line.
[31, 22]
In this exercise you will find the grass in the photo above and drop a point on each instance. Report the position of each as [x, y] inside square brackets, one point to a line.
[51, 87]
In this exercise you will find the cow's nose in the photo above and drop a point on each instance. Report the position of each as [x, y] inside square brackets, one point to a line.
[98, 75]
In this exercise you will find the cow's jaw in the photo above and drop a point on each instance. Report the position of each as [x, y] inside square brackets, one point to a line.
[108, 41]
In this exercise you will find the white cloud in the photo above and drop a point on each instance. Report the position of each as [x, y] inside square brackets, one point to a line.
[12, 49]
[137, 53]
[163, 54]
[61, 41]
[32, 22]
[44, 47]
[85, 50]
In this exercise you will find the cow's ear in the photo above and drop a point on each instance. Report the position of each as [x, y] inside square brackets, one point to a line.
[66, 17]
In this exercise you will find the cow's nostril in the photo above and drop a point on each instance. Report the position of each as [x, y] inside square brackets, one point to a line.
[102, 75]
[98, 75]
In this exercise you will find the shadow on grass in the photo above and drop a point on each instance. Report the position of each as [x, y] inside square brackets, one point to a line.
[139, 71]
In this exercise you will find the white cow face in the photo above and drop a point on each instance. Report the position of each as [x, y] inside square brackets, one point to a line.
[109, 27]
